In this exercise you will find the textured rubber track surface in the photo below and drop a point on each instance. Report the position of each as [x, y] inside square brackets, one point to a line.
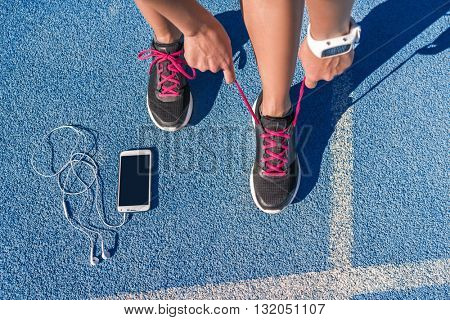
[371, 218]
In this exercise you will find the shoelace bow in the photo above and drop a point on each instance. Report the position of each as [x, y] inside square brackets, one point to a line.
[176, 65]
[275, 161]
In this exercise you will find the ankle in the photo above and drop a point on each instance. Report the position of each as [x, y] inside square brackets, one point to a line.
[168, 38]
[275, 108]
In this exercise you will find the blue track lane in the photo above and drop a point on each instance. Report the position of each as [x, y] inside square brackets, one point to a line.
[74, 62]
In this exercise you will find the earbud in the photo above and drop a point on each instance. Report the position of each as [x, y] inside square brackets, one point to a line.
[105, 253]
[93, 259]
[66, 211]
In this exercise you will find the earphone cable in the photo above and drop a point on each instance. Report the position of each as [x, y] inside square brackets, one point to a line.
[77, 158]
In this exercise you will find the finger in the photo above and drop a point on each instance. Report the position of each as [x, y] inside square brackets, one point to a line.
[342, 68]
[335, 72]
[214, 69]
[189, 60]
[339, 71]
[213, 66]
[310, 84]
[228, 73]
[328, 77]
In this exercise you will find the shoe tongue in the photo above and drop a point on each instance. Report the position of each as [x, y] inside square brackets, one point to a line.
[169, 47]
[277, 124]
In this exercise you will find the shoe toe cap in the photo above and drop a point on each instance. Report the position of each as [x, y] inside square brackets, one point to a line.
[273, 194]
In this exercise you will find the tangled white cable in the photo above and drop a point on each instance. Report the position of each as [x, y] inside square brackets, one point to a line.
[77, 158]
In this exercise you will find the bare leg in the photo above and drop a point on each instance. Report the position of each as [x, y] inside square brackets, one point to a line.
[164, 30]
[274, 30]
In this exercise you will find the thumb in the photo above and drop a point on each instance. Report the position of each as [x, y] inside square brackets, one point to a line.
[228, 73]
[310, 84]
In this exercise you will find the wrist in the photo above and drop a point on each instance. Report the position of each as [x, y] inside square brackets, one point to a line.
[200, 23]
[325, 31]
[335, 43]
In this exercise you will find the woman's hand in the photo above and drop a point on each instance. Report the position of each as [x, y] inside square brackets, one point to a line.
[206, 43]
[317, 69]
[210, 49]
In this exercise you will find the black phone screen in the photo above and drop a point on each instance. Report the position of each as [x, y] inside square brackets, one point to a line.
[134, 180]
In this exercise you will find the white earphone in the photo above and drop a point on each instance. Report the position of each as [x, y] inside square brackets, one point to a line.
[79, 158]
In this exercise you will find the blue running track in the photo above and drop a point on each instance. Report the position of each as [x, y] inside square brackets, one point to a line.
[374, 146]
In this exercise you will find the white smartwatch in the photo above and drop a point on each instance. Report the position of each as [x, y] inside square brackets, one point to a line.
[334, 46]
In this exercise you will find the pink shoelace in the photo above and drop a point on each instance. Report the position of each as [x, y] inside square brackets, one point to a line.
[275, 161]
[175, 66]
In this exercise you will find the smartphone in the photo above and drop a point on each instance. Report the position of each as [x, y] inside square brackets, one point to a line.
[134, 181]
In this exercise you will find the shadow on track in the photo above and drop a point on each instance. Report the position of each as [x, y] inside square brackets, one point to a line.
[206, 85]
[323, 107]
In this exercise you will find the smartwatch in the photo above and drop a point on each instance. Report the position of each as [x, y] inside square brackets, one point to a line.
[335, 46]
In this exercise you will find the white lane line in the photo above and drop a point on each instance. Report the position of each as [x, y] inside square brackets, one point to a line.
[400, 277]
[331, 284]
[341, 150]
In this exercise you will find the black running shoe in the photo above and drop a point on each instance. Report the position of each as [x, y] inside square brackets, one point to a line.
[169, 99]
[275, 174]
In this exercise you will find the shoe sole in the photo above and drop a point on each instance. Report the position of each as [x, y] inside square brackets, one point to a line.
[252, 187]
[173, 129]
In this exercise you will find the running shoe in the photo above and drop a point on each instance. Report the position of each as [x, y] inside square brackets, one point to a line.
[169, 98]
[275, 176]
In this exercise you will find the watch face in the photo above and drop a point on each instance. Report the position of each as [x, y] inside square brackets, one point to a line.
[336, 50]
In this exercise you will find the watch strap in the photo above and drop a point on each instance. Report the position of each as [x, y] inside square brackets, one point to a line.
[318, 47]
